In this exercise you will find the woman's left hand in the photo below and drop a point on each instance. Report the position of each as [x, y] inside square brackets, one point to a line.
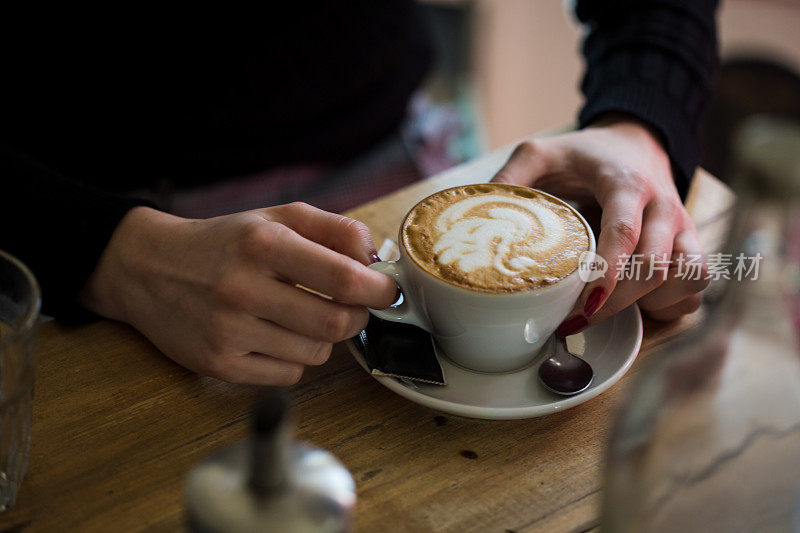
[622, 165]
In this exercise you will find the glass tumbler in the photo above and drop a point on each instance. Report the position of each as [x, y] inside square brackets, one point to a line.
[19, 314]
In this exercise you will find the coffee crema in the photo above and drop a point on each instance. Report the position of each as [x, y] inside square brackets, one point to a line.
[495, 237]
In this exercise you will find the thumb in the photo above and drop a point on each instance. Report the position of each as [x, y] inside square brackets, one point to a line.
[528, 162]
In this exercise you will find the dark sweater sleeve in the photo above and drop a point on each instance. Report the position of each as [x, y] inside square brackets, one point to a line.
[57, 227]
[653, 59]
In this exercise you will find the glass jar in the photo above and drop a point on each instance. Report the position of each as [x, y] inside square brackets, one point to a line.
[709, 436]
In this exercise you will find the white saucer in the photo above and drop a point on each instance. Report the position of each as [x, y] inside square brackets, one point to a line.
[610, 348]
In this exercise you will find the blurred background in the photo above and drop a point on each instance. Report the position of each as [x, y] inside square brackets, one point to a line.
[517, 63]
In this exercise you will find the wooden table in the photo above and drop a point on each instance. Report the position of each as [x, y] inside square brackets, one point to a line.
[117, 426]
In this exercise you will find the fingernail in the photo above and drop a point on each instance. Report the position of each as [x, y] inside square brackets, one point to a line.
[571, 326]
[373, 258]
[593, 301]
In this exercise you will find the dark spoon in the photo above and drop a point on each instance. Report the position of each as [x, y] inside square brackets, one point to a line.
[565, 373]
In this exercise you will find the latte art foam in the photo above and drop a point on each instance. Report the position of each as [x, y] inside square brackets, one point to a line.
[470, 241]
[495, 237]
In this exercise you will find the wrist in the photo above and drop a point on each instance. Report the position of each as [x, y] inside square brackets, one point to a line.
[630, 125]
[134, 252]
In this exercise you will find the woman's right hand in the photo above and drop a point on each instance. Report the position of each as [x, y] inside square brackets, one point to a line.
[220, 296]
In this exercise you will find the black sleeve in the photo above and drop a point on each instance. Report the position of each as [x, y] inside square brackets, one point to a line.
[56, 226]
[653, 59]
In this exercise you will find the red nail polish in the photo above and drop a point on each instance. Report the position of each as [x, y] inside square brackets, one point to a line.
[571, 326]
[594, 300]
[373, 258]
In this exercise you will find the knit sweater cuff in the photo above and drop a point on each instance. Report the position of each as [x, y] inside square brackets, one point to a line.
[96, 216]
[655, 107]
[58, 228]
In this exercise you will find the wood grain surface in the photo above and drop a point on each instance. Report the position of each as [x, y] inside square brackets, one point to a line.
[117, 426]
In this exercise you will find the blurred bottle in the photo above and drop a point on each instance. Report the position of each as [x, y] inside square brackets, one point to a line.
[709, 438]
[270, 483]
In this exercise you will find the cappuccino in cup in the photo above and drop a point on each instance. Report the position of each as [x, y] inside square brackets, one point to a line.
[495, 237]
[490, 270]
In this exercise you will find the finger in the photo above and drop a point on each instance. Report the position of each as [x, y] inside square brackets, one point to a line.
[686, 306]
[336, 275]
[308, 314]
[625, 293]
[687, 275]
[527, 163]
[649, 265]
[620, 228]
[260, 369]
[659, 227]
[337, 232]
[674, 290]
[261, 336]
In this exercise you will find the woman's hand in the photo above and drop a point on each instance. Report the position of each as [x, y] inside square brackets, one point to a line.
[219, 296]
[622, 165]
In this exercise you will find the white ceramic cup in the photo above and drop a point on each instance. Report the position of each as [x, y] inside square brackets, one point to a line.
[487, 332]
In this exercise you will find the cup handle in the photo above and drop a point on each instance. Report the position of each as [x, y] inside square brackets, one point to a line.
[406, 312]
